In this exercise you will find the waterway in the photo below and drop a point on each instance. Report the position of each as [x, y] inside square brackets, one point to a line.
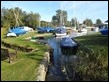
[55, 72]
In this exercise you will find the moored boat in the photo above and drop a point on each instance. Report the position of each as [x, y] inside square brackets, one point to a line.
[104, 31]
[60, 31]
[68, 46]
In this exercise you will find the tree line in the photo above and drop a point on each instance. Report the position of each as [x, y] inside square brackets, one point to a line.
[17, 17]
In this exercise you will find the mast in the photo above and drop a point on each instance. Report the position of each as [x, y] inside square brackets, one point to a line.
[39, 21]
[17, 24]
[16, 14]
[74, 16]
[61, 15]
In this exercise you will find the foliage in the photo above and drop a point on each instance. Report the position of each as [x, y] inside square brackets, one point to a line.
[68, 24]
[88, 22]
[93, 55]
[74, 22]
[43, 23]
[98, 22]
[60, 18]
[32, 20]
[17, 17]
[54, 20]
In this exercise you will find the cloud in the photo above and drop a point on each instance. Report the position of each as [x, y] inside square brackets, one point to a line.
[69, 5]
[85, 7]
[76, 5]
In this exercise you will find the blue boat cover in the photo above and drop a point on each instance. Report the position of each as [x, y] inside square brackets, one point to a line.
[60, 30]
[45, 29]
[48, 29]
[67, 42]
[41, 29]
[104, 31]
[18, 30]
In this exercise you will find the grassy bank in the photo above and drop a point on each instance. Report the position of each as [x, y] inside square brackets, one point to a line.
[25, 67]
[93, 54]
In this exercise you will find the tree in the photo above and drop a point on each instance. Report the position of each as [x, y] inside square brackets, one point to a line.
[74, 23]
[88, 22]
[12, 16]
[98, 22]
[43, 23]
[32, 20]
[54, 20]
[65, 17]
[16, 17]
[68, 24]
[60, 17]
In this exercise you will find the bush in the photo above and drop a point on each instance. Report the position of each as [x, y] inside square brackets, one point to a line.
[92, 66]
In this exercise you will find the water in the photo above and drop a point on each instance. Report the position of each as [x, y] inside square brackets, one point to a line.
[57, 70]
[55, 73]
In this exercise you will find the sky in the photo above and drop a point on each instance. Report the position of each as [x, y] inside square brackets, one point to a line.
[80, 9]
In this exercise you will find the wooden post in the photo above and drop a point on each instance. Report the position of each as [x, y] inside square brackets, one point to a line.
[12, 57]
[4, 53]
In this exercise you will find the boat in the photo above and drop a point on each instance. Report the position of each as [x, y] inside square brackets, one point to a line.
[45, 30]
[68, 46]
[60, 31]
[11, 34]
[82, 31]
[18, 31]
[28, 29]
[104, 28]
[49, 29]
[41, 30]
[104, 31]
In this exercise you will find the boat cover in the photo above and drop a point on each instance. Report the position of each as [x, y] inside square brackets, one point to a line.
[18, 30]
[61, 30]
[67, 42]
[104, 31]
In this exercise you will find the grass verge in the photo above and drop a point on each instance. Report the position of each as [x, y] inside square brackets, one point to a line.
[93, 54]
[25, 67]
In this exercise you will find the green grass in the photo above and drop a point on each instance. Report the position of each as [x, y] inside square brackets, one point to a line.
[25, 67]
[93, 54]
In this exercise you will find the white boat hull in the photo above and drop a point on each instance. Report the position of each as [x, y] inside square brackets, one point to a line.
[58, 34]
